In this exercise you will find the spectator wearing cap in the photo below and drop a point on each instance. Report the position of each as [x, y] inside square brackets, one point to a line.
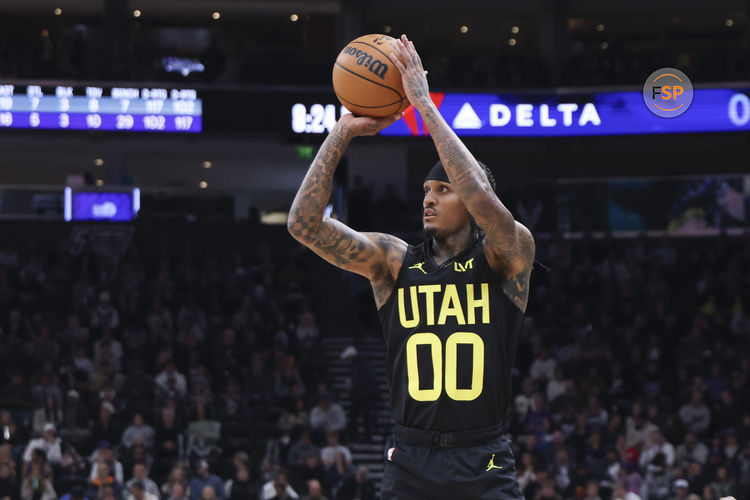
[49, 443]
[203, 478]
[327, 415]
[681, 489]
[138, 433]
[140, 475]
[363, 392]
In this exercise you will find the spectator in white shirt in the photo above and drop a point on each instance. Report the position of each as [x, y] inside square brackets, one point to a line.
[49, 442]
[543, 366]
[328, 415]
[329, 452]
[657, 445]
[170, 372]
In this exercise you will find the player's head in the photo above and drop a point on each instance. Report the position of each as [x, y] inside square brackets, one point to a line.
[443, 212]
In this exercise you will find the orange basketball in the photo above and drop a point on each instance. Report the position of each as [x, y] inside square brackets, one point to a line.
[365, 79]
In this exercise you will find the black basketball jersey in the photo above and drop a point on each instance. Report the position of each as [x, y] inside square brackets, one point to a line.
[450, 334]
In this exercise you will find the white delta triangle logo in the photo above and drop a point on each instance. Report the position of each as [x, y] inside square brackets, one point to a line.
[467, 118]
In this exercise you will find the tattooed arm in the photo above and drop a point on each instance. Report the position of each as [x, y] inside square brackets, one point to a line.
[509, 245]
[375, 256]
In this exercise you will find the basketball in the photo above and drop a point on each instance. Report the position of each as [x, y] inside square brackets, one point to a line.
[365, 79]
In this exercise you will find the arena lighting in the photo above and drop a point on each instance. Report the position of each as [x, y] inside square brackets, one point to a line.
[99, 162]
[515, 29]
[599, 27]
[463, 29]
[729, 23]
[216, 15]
[136, 13]
[99, 182]
[294, 18]
[203, 184]
[386, 29]
[512, 42]
[604, 45]
[207, 164]
[58, 11]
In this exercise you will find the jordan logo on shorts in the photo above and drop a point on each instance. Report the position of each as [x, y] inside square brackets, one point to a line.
[492, 465]
[390, 454]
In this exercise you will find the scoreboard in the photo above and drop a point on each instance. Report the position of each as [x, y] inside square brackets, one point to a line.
[124, 109]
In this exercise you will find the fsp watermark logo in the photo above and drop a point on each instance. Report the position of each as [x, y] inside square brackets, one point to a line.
[668, 92]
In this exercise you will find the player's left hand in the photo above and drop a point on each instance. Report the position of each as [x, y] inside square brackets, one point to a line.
[413, 75]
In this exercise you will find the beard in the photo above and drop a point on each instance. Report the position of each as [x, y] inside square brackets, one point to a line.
[429, 233]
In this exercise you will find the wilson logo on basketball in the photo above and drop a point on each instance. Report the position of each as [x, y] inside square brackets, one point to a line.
[376, 66]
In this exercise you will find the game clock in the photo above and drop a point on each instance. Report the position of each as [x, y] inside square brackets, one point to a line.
[317, 120]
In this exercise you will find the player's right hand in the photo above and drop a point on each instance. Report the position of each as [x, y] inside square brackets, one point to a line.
[365, 125]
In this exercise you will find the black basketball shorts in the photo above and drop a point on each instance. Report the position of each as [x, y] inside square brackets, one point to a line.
[466, 465]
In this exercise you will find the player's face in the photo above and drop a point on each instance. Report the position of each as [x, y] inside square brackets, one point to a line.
[443, 212]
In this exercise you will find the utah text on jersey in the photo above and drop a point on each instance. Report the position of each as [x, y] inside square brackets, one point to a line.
[458, 302]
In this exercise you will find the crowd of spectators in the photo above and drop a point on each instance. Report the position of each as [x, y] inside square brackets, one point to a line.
[180, 373]
[632, 376]
[187, 374]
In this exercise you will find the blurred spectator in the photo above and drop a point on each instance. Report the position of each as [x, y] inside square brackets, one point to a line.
[140, 476]
[657, 445]
[138, 491]
[8, 482]
[691, 450]
[358, 486]
[204, 478]
[310, 468]
[49, 443]
[241, 487]
[681, 489]
[364, 393]
[314, 491]
[138, 433]
[327, 415]
[104, 458]
[696, 415]
[172, 381]
[177, 478]
[105, 316]
[37, 487]
[278, 488]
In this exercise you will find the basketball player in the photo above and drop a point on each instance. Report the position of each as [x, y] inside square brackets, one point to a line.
[451, 308]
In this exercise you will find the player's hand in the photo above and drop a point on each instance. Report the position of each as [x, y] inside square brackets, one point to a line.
[365, 125]
[413, 75]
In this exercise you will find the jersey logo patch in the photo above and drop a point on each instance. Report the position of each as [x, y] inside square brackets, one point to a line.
[418, 266]
[460, 268]
[390, 454]
[492, 465]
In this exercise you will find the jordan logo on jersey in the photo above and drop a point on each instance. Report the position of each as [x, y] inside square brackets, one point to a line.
[460, 268]
[434, 304]
[418, 266]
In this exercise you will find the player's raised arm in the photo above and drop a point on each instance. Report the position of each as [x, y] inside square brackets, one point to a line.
[373, 255]
[510, 246]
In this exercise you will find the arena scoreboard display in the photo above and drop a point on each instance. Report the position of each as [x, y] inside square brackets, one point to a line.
[550, 114]
[92, 107]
